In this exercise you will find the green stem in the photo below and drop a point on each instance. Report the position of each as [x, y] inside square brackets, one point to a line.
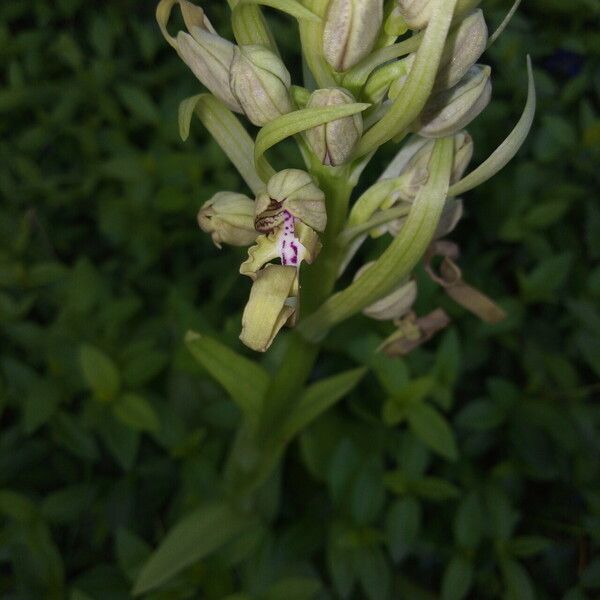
[318, 282]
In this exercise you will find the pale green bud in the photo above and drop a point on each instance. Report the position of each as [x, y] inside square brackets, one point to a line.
[261, 84]
[416, 172]
[393, 306]
[464, 46]
[209, 56]
[453, 109]
[350, 32]
[417, 13]
[229, 218]
[334, 142]
[273, 302]
[294, 192]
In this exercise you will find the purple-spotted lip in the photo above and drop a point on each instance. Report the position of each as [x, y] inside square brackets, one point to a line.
[289, 245]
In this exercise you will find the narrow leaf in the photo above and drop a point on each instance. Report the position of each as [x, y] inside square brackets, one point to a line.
[457, 580]
[245, 381]
[507, 149]
[318, 398]
[295, 122]
[427, 424]
[228, 132]
[419, 83]
[290, 7]
[194, 537]
[504, 23]
[401, 256]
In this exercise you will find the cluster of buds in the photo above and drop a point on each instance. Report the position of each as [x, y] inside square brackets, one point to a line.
[375, 72]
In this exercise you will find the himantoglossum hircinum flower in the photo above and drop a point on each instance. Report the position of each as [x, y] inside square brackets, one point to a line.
[362, 86]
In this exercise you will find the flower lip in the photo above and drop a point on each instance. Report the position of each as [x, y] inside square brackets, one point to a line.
[270, 218]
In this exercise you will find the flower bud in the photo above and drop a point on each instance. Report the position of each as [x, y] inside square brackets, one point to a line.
[453, 109]
[209, 57]
[350, 31]
[394, 305]
[464, 46]
[261, 83]
[229, 218]
[294, 192]
[334, 142]
[417, 13]
[416, 172]
[273, 302]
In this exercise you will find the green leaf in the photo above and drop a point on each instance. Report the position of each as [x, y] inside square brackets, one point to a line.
[416, 391]
[290, 7]
[480, 415]
[419, 83]
[433, 429]
[293, 588]
[468, 522]
[400, 257]
[245, 381]
[139, 103]
[295, 122]
[122, 442]
[518, 583]
[228, 132]
[132, 552]
[100, 373]
[542, 284]
[196, 536]
[318, 398]
[402, 525]
[374, 573]
[136, 412]
[71, 434]
[504, 24]
[457, 579]
[434, 488]
[525, 546]
[507, 149]
[340, 565]
[17, 506]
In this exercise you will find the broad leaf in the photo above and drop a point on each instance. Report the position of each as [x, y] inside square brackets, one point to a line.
[245, 381]
[100, 372]
[429, 425]
[194, 537]
[318, 398]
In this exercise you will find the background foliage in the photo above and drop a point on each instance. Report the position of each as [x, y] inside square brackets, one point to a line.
[488, 488]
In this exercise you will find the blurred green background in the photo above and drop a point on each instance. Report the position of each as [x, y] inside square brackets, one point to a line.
[110, 432]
